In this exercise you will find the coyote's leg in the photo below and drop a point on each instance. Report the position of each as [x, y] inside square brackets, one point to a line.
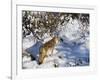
[42, 56]
[52, 50]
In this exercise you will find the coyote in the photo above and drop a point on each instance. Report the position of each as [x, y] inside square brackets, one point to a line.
[47, 48]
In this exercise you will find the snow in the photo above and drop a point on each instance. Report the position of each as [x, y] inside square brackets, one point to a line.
[25, 58]
[71, 30]
[72, 51]
[28, 41]
[30, 64]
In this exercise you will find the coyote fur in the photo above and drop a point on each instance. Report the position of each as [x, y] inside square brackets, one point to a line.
[47, 48]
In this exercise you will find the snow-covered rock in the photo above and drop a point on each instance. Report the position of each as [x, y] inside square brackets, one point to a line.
[28, 41]
[30, 64]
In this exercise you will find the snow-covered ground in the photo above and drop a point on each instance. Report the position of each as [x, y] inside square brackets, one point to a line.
[72, 51]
